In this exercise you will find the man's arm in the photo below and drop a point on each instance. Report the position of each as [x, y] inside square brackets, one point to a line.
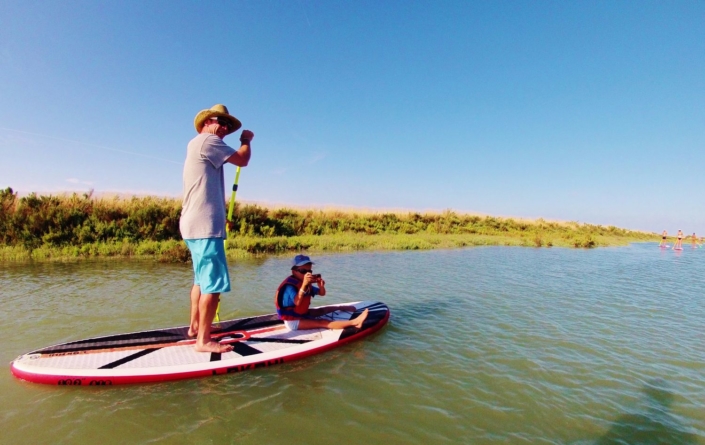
[242, 156]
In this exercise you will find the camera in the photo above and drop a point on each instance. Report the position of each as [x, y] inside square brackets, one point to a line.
[316, 276]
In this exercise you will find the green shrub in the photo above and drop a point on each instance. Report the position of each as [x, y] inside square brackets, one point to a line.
[83, 226]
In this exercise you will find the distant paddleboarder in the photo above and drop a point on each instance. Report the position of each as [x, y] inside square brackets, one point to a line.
[202, 222]
[679, 241]
[694, 240]
[664, 235]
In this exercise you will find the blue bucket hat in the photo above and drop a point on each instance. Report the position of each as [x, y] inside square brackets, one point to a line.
[300, 260]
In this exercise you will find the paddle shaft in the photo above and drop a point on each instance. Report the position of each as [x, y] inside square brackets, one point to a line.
[216, 319]
[232, 198]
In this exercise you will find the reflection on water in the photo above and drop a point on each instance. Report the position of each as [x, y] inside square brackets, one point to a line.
[485, 346]
[654, 424]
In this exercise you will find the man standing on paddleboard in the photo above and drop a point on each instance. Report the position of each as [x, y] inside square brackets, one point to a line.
[202, 222]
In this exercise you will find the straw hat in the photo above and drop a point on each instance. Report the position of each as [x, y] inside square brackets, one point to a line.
[218, 110]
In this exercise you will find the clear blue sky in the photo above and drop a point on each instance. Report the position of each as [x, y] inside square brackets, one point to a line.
[583, 110]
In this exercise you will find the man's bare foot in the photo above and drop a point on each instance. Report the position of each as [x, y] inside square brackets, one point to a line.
[361, 319]
[192, 332]
[212, 346]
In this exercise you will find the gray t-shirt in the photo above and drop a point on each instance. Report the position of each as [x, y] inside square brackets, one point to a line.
[203, 212]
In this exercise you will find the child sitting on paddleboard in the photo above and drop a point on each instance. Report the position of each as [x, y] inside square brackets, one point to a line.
[293, 298]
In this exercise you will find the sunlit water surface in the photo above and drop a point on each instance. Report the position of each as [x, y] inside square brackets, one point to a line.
[485, 346]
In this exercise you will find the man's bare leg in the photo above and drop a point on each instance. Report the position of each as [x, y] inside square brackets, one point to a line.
[342, 324]
[207, 305]
[193, 324]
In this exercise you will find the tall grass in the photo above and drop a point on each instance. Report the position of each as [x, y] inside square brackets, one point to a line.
[47, 227]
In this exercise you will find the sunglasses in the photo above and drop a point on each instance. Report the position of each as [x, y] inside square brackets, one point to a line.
[304, 271]
[223, 122]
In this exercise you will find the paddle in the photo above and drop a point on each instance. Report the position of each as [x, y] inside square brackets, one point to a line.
[232, 199]
[227, 227]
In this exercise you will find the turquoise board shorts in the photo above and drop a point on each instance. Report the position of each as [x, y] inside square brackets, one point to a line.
[210, 269]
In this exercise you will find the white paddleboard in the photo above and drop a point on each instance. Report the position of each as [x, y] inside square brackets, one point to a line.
[168, 354]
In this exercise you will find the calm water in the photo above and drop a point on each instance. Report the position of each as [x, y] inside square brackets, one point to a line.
[485, 346]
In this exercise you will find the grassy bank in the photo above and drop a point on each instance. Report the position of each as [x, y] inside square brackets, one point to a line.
[81, 226]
